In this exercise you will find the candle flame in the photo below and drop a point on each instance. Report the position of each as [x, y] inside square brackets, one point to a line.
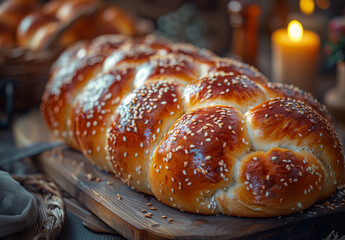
[295, 31]
[307, 6]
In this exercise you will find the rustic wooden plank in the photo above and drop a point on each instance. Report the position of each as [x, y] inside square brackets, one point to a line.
[70, 169]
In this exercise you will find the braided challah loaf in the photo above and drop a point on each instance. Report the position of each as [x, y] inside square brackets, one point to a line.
[201, 133]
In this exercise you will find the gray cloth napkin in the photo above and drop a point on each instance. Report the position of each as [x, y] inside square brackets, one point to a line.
[18, 208]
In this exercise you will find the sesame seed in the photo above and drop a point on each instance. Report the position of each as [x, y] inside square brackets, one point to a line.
[89, 176]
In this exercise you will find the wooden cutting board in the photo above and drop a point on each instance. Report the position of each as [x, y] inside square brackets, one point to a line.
[122, 208]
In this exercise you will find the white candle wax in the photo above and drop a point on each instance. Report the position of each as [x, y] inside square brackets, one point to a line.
[296, 62]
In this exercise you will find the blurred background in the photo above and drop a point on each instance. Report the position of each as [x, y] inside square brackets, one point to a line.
[34, 32]
[240, 29]
[222, 26]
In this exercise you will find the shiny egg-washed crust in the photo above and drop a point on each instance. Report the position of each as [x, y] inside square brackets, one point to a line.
[139, 124]
[69, 9]
[289, 123]
[92, 112]
[35, 29]
[13, 11]
[63, 88]
[272, 183]
[224, 89]
[275, 90]
[129, 54]
[197, 157]
[168, 68]
[227, 65]
[201, 133]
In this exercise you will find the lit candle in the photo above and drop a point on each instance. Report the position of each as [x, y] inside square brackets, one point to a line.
[295, 55]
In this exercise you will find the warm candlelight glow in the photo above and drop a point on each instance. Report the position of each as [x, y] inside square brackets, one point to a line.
[307, 6]
[295, 54]
[323, 4]
[295, 31]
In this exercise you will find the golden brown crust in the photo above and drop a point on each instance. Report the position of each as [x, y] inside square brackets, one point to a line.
[228, 65]
[169, 68]
[35, 29]
[130, 54]
[139, 124]
[224, 89]
[291, 124]
[57, 101]
[114, 20]
[202, 134]
[154, 42]
[275, 90]
[69, 9]
[93, 110]
[13, 11]
[106, 44]
[273, 183]
[52, 7]
[199, 55]
[102, 45]
[197, 157]
[73, 53]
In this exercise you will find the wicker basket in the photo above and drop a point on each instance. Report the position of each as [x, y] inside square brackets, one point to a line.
[28, 71]
[51, 208]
